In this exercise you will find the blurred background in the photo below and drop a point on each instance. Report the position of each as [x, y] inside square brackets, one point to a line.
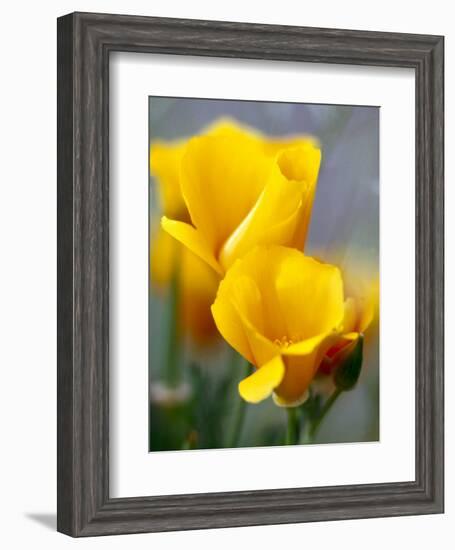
[202, 411]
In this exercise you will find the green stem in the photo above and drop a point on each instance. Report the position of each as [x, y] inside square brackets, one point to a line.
[172, 334]
[293, 427]
[240, 408]
[325, 409]
[305, 435]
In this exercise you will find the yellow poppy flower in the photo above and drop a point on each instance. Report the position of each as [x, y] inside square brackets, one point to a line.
[282, 311]
[243, 190]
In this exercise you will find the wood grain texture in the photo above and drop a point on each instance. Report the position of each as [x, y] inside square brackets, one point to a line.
[84, 43]
[65, 468]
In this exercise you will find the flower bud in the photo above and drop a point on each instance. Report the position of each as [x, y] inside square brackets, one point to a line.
[348, 372]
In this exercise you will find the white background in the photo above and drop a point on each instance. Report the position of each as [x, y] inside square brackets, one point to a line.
[28, 273]
[133, 78]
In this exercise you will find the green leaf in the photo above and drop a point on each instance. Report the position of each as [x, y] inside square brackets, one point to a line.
[348, 372]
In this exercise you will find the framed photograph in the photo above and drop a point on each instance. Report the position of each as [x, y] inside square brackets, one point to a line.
[250, 274]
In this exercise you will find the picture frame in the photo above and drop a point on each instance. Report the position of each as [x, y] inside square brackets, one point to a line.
[84, 506]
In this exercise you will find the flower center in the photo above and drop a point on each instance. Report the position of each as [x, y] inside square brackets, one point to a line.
[283, 342]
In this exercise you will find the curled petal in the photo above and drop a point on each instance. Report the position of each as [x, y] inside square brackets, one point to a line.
[303, 162]
[192, 239]
[272, 220]
[260, 385]
[281, 213]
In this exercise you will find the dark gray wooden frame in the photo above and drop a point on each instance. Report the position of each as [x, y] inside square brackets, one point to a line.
[84, 44]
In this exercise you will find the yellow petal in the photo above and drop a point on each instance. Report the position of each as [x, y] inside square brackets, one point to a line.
[226, 126]
[303, 220]
[238, 303]
[282, 211]
[304, 165]
[302, 361]
[241, 315]
[230, 326]
[260, 385]
[192, 239]
[165, 161]
[300, 161]
[311, 345]
[272, 220]
[350, 320]
[164, 251]
[198, 286]
[310, 295]
[273, 146]
[369, 305]
[221, 179]
[245, 295]
[262, 349]
[362, 286]
[300, 372]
